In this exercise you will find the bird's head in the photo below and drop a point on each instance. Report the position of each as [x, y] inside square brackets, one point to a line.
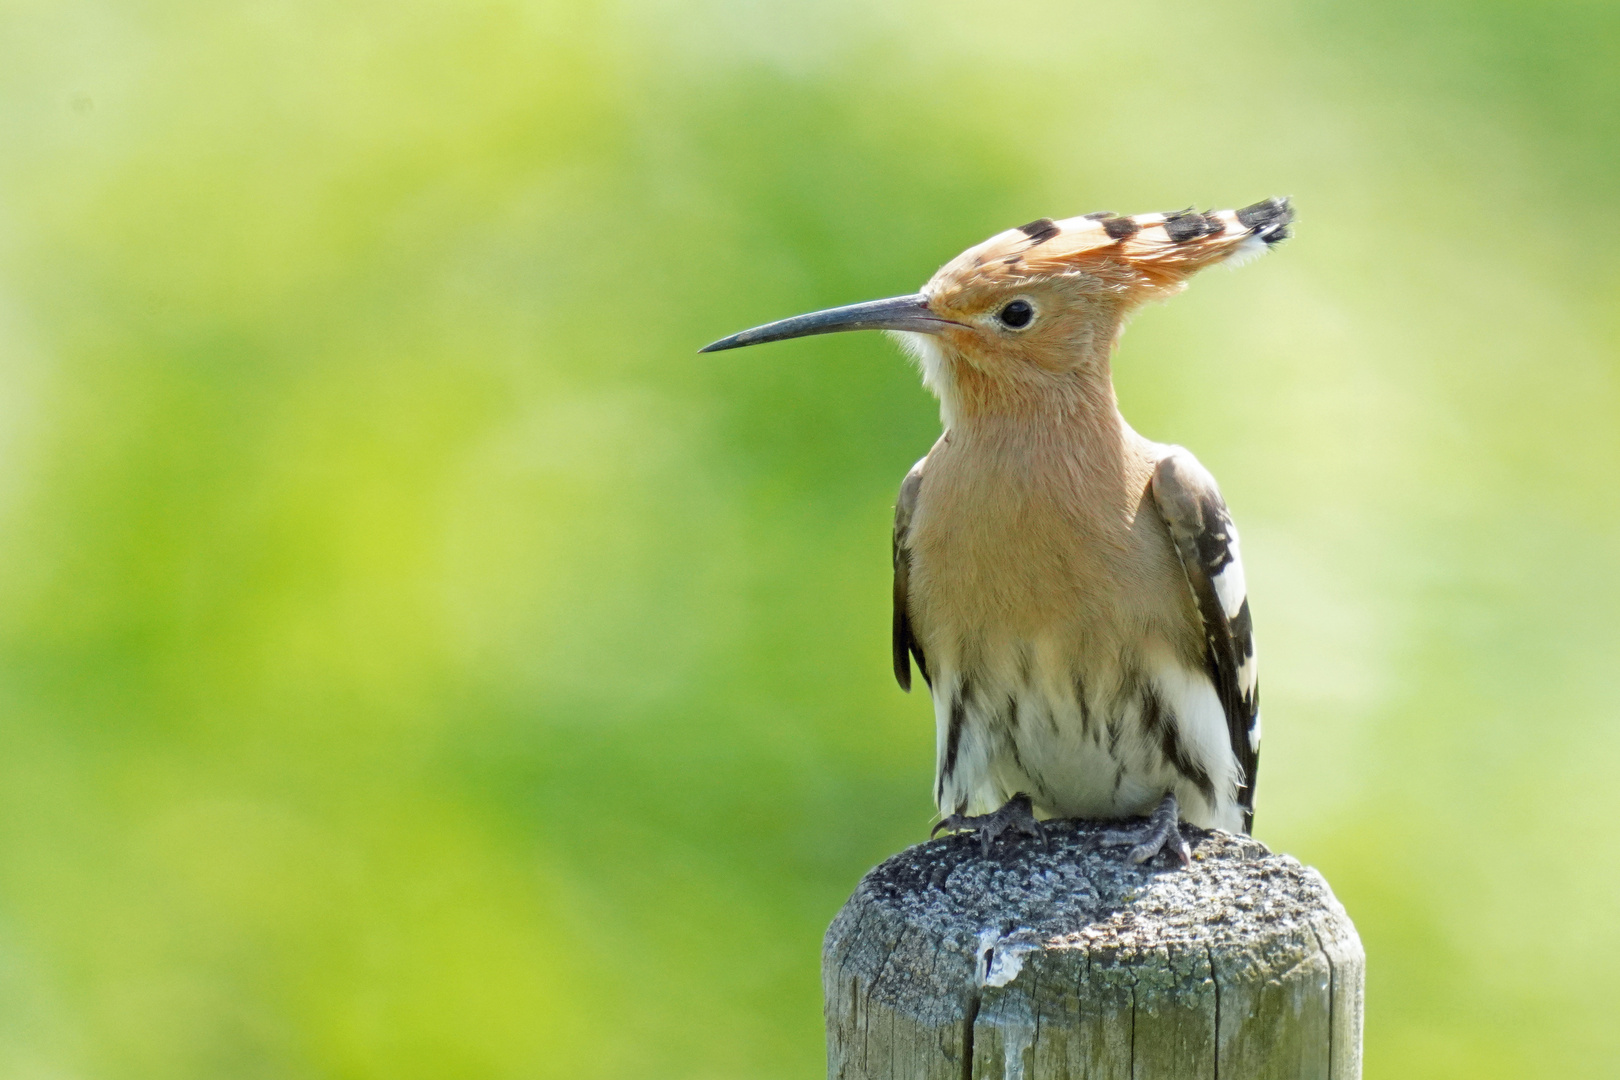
[1033, 303]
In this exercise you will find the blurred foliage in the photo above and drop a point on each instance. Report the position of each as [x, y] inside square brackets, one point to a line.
[416, 662]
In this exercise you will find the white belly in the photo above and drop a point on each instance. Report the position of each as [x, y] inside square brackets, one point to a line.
[1109, 743]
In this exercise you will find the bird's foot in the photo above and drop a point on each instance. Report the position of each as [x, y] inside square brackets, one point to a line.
[1162, 833]
[1017, 816]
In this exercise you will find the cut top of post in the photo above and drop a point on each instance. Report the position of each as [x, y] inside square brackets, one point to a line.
[1073, 961]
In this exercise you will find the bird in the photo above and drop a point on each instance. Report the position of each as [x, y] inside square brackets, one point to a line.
[1071, 591]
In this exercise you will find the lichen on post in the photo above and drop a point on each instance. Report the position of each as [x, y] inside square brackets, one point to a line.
[1039, 964]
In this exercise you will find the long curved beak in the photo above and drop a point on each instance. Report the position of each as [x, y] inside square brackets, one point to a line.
[895, 313]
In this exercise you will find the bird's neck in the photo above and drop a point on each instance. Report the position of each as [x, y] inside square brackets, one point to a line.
[1043, 416]
[1031, 482]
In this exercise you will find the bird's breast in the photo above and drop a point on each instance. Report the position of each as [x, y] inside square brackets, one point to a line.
[1000, 556]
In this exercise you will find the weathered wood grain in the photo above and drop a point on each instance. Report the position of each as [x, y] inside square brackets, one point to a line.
[1072, 963]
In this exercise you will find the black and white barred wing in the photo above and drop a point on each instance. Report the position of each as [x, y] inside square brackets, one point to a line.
[1207, 542]
[905, 642]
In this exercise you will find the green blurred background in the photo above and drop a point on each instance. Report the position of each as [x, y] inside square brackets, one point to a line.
[415, 661]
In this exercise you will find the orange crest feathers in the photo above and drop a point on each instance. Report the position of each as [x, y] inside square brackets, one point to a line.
[1146, 254]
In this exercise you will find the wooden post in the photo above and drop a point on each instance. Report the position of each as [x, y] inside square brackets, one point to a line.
[1040, 965]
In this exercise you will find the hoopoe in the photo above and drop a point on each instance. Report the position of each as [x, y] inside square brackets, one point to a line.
[1071, 591]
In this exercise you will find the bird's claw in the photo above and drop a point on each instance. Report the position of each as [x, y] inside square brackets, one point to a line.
[1017, 816]
[1162, 833]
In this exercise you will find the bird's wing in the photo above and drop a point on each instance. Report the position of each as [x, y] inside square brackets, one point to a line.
[1207, 542]
[905, 642]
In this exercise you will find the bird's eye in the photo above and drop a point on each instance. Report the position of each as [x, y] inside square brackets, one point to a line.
[1016, 314]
